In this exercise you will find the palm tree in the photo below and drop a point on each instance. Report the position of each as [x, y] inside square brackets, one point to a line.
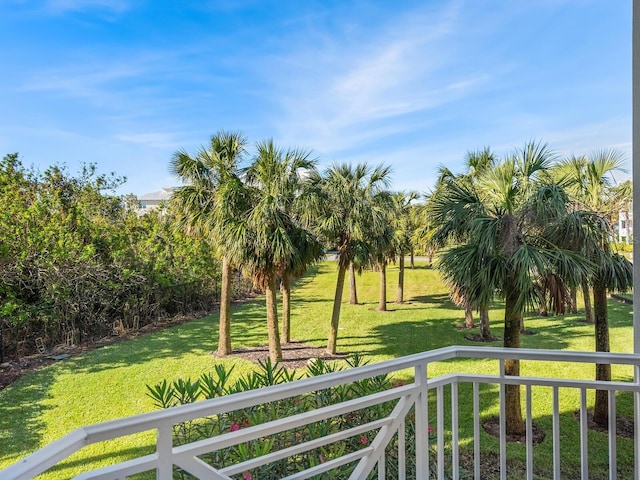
[349, 207]
[274, 242]
[309, 248]
[503, 220]
[403, 222]
[210, 201]
[383, 249]
[615, 273]
[589, 182]
[590, 234]
[478, 163]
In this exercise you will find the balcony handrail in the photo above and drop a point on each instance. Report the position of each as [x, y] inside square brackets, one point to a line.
[53, 453]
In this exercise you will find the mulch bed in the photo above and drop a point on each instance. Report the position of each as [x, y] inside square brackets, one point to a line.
[476, 337]
[294, 354]
[492, 427]
[624, 425]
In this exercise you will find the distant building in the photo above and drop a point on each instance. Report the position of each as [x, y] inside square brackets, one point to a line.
[624, 228]
[154, 200]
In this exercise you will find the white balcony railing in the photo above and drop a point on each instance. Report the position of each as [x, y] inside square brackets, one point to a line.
[431, 454]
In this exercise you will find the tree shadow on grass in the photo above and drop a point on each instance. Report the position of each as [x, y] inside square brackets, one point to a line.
[109, 455]
[437, 300]
[22, 406]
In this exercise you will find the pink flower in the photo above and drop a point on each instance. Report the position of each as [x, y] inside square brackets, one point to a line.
[430, 429]
[247, 476]
[364, 439]
[245, 423]
[234, 426]
[397, 384]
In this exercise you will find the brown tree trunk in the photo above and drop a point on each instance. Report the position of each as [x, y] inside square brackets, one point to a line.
[224, 328]
[400, 291]
[588, 311]
[512, 320]
[335, 315]
[485, 329]
[468, 315]
[353, 292]
[285, 289]
[542, 308]
[603, 372]
[382, 304]
[573, 305]
[275, 351]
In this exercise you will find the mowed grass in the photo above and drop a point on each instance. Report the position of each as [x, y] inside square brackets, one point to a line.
[110, 382]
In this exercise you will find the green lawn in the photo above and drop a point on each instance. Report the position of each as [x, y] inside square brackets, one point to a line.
[110, 382]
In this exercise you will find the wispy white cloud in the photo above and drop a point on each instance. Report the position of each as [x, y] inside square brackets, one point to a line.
[337, 95]
[159, 140]
[62, 6]
[86, 80]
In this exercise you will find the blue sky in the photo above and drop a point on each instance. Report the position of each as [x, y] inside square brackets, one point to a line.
[411, 84]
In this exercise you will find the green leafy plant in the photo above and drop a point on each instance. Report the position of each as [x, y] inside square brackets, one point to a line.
[217, 383]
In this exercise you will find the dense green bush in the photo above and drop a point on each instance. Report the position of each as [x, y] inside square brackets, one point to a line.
[78, 263]
[218, 383]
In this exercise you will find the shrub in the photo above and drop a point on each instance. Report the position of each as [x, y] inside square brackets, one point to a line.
[211, 385]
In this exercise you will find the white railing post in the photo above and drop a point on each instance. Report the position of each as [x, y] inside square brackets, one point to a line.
[636, 418]
[529, 433]
[476, 430]
[164, 447]
[455, 453]
[613, 461]
[440, 428]
[584, 436]
[422, 422]
[556, 433]
[503, 425]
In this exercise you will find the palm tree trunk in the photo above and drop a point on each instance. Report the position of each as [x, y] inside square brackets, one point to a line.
[382, 304]
[485, 330]
[400, 291]
[224, 329]
[335, 315]
[512, 321]
[285, 289]
[468, 315]
[543, 310]
[573, 306]
[588, 311]
[603, 372]
[275, 351]
[353, 291]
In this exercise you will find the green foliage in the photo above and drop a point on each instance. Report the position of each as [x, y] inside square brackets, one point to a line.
[184, 391]
[74, 259]
[108, 383]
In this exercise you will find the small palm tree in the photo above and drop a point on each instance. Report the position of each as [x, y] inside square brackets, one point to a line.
[589, 182]
[403, 222]
[211, 201]
[309, 248]
[274, 243]
[503, 221]
[348, 200]
[383, 249]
